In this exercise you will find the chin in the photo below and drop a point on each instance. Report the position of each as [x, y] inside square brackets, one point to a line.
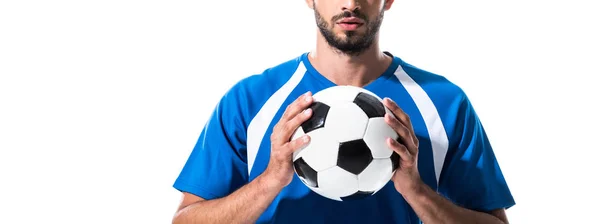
[350, 34]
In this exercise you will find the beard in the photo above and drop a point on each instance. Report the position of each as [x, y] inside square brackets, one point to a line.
[354, 43]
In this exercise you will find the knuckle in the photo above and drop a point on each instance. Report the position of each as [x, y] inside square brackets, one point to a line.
[277, 127]
[405, 130]
[298, 142]
[287, 128]
[403, 118]
[298, 119]
[274, 133]
[297, 106]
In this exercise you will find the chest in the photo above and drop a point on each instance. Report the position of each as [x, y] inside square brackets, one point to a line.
[423, 124]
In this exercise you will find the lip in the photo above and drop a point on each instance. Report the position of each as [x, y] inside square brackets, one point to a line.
[351, 20]
[350, 23]
[349, 26]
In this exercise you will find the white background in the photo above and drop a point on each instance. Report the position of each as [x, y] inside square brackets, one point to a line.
[101, 102]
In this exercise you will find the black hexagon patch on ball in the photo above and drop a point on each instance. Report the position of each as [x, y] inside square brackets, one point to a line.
[395, 160]
[370, 105]
[307, 174]
[318, 117]
[357, 195]
[354, 156]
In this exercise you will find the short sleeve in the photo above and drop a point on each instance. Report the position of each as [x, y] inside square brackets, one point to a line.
[471, 176]
[217, 165]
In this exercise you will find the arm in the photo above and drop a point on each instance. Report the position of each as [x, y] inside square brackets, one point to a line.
[205, 170]
[472, 179]
[242, 206]
[434, 208]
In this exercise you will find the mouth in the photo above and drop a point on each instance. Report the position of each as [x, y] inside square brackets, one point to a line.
[350, 23]
[350, 26]
[350, 20]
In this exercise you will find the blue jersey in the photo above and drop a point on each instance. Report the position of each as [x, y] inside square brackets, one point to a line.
[455, 155]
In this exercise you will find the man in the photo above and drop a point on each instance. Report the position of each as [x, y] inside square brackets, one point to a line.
[241, 171]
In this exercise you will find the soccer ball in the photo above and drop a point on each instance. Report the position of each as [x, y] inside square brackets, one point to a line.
[347, 157]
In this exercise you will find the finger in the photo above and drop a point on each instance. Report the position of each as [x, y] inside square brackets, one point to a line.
[291, 110]
[290, 127]
[406, 157]
[404, 133]
[297, 106]
[297, 144]
[398, 112]
[295, 122]
[401, 116]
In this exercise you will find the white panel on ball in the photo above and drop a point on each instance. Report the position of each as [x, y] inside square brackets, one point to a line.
[376, 175]
[320, 192]
[297, 134]
[346, 122]
[337, 94]
[320, 153]
[375, 136]
[349, 90]
[336, 182]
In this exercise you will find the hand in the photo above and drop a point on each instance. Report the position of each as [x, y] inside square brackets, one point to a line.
[279, 171]
[407, 178]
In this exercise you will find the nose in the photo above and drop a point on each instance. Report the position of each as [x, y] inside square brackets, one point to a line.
[350, 5]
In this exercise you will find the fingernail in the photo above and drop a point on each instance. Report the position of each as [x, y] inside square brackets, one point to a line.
[388, 117]
[305, 138]
[307, 98]
[391, 141]
[307, 111]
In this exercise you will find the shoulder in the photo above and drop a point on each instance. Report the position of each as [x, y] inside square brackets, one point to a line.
[438, 87]
[271, 78]
[249, 94]
[438, 96]
[447, 97]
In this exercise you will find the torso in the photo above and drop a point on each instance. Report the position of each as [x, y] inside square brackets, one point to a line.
[296, 203]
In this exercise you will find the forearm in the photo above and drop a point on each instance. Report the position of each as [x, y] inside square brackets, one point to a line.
[242, 206]
[433, 208]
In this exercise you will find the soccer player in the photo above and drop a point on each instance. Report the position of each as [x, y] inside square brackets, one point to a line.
[240, 170]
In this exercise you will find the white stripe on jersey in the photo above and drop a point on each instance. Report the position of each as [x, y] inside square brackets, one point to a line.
[260, 123]
[433, 122]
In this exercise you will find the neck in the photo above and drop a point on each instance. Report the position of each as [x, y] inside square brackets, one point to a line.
[354, 70]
